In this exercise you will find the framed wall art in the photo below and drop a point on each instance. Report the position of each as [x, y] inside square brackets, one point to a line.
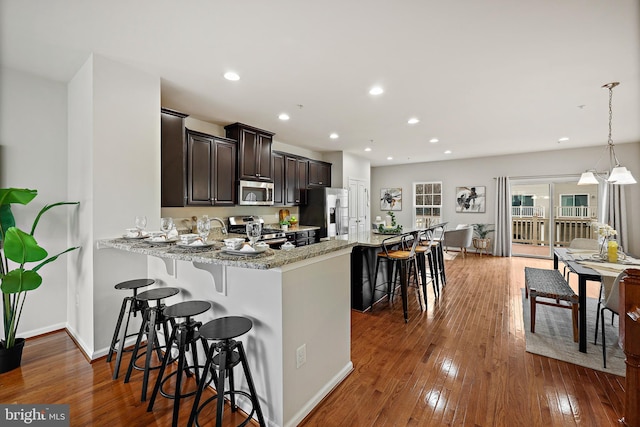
[471, 199]
[391, 199]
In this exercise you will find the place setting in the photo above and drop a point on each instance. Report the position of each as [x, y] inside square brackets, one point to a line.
[235, 247]
[167, 236]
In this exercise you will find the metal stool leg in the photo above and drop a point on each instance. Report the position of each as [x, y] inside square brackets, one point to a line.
[252, 388]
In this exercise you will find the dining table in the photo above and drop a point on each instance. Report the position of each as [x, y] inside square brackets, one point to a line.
[589, 266]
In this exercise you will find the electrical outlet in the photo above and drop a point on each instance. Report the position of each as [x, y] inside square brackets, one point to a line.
[301, 355]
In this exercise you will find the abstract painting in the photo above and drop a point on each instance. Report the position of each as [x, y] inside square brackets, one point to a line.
[391, 199]
[471, 199]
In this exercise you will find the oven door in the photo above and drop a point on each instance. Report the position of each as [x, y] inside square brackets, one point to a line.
[255, 193]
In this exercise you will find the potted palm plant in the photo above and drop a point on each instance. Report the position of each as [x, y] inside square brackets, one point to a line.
[481, 242]
[17, 249]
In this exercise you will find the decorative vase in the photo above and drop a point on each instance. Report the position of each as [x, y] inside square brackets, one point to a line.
[612, 251]
[10, 358]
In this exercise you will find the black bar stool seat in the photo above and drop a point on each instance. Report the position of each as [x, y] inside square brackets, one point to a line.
[229, 354]
[183, 336]
[153, 319]
[130, 305]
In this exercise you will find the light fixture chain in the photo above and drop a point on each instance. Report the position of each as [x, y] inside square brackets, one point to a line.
[610, 141]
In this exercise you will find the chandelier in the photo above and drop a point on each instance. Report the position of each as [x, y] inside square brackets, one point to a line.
[618, 174]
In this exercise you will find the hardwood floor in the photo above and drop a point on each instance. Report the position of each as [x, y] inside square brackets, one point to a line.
[463, 362]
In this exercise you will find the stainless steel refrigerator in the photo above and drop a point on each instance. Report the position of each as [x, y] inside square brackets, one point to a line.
[327, 208]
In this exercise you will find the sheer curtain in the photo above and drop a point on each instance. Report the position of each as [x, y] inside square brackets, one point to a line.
[502, 243]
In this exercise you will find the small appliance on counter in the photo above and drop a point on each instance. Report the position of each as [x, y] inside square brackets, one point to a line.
[327, 208]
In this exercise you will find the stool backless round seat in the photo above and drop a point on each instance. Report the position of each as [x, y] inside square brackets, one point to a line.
[153, 319]
[130, 307]
[222, 357]
[184, 335]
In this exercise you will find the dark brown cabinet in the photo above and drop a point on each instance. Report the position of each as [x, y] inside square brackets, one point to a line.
[295, 173]
[319, 174]
[254, 152]
[304, 238]
[278, 178]
[210, 170]
[292, 175]
[173, 163]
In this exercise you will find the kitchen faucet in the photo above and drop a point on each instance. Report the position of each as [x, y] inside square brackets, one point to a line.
[224, 229]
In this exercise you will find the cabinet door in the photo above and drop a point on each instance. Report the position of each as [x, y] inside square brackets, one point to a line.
[263, 158]
[302, 167]
[319, 174]
[224, 173]
[290, 180]
[278, 178]
[247, 154]
[199, 172]
[173, 184]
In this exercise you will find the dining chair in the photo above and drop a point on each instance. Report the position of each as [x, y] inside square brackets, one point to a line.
[609, 300]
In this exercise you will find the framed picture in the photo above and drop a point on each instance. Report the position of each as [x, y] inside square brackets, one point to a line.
[471, 199]
[391, 199]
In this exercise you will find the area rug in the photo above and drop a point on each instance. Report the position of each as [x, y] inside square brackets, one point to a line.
[554, 337]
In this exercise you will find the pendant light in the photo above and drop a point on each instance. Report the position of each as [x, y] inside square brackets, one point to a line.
[618, 174]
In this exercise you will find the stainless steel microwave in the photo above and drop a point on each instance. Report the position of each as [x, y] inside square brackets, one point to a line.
[255, 193]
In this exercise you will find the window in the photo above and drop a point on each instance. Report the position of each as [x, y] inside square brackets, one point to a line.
[574, 205]
[523, 205]
[427, 203]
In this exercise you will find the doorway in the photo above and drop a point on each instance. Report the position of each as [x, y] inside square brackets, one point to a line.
[358, 206]
[548, 213]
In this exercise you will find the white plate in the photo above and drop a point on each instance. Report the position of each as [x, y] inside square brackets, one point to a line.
[124, 236]
[244, 253]
[160, 241]
[186, 245]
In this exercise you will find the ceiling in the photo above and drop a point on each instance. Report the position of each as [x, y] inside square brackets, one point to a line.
[485, 78]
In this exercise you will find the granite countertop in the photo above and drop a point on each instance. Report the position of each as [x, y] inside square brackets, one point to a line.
[271, 258]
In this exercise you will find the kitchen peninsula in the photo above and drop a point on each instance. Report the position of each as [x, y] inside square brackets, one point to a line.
[298, 300]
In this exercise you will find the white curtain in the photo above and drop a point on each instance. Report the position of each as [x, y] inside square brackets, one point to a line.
[502, 243]
[616, 213]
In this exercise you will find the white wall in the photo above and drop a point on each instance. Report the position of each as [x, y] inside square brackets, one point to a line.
[33, 154]
[482, 171]
[115, 156]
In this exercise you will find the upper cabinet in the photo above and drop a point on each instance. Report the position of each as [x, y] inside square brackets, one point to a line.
[296, 173]
[173, 159]
[254, 152]
[196, 168]
[319, 174]
[278, 178]
[210, 170]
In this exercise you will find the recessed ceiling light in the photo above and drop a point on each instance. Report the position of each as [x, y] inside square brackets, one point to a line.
[413, 121]
[563, 139]
[333, 136]
[367, 149]
[230, 75]
[433, 140]
[376, 90]
[389, 158]
[283, 116]
[448, 152]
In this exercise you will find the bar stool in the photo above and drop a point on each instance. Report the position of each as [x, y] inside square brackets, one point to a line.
[153, 319]
[184, 335]
[130, 305]
[401, 260]
[438, 257]
[229, 354]
[424, 254]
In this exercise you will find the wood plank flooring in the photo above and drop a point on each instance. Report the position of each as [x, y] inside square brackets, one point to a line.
[462, 362]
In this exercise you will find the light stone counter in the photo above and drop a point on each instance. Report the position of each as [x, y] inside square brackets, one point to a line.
[272, 258]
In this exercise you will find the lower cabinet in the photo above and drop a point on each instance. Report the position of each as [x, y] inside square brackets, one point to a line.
[303, 238]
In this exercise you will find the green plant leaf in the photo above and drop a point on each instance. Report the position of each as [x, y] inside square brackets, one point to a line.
[53, 258]
[17, 195]
[6, 220]
[21, 247]
[46, 208]
[20, 280]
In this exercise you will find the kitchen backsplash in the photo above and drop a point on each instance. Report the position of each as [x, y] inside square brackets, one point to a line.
[182, 216]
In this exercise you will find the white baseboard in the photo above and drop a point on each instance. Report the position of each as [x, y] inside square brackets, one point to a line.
[42, 331]
[321, 394]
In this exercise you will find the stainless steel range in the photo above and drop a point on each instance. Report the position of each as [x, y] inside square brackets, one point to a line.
[272, 236]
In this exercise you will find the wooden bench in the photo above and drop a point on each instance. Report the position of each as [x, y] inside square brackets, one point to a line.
[550, 284]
